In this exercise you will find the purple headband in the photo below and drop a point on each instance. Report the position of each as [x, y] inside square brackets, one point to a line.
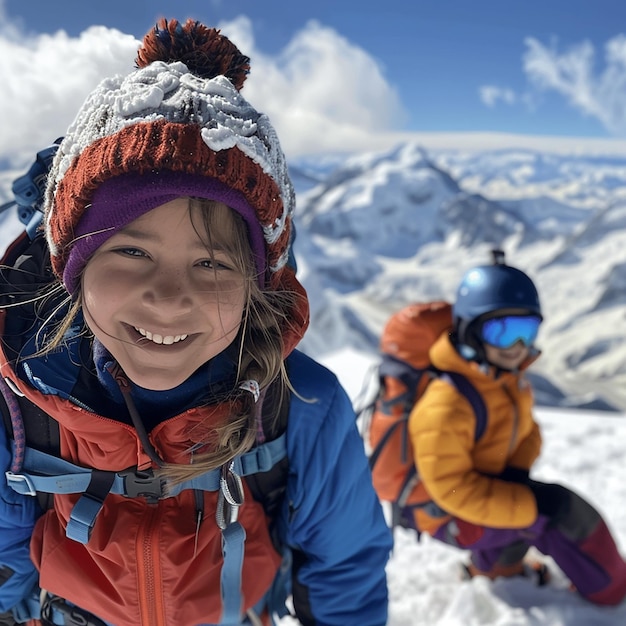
[122, 199]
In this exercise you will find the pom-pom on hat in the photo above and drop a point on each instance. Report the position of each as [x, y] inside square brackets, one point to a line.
[175, 126]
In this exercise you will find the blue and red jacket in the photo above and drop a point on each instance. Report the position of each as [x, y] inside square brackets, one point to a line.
[151, 563]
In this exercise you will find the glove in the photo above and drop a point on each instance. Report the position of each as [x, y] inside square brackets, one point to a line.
[513, 475]
[553, 501]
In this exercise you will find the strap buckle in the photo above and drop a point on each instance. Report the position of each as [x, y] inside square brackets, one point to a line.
[143, 484]
[20, 483]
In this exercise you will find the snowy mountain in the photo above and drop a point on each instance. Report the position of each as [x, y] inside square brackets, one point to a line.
[376, 231]
[582, 180]
[381, 230]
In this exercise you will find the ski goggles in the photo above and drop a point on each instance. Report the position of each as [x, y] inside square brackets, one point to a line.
[504, 332]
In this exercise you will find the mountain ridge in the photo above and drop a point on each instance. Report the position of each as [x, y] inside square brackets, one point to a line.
[366, 247]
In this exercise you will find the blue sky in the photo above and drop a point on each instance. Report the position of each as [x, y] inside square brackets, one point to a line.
[530, 68]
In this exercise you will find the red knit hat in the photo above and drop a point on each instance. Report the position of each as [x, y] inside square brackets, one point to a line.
[180, 112]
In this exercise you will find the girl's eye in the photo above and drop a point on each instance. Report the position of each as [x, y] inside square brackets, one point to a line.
[214, 265]
[131, 252]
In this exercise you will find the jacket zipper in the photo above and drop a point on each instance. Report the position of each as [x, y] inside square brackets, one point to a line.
[513, 439]
[149, 575]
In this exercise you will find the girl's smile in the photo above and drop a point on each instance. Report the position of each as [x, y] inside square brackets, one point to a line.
[160, 300]
[507, 358]
[160, 339]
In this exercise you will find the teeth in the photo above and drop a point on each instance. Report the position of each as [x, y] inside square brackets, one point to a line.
[160, 339]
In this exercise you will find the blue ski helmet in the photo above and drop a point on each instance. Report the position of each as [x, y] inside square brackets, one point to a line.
[489, 288]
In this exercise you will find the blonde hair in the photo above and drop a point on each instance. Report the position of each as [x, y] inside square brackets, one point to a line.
[259, 342]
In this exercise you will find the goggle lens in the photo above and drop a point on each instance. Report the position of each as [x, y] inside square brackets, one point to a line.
[504, 332]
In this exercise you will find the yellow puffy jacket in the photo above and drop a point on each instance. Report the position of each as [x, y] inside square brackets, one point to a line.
[457, 472]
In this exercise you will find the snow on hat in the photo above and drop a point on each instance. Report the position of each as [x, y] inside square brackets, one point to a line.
[175, 126]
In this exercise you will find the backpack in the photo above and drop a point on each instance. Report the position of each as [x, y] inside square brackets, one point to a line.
[37, 469]
[404, 373]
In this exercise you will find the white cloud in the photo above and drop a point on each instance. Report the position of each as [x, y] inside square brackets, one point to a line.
[45, 78]
[571, 74]
[322, 92]
[490, 95]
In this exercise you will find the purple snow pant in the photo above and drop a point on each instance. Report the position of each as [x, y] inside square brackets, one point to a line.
[580, 543]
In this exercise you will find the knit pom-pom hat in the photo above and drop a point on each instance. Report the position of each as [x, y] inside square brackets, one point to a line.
[176, 126]
[180, 111]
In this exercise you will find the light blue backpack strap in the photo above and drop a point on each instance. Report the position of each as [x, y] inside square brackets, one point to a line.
[233, 541]
[88, 506]
[47, 473]
[28, 608]
[262, 458]
[50, 474]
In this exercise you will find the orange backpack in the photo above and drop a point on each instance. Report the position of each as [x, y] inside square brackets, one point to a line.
[404, 373]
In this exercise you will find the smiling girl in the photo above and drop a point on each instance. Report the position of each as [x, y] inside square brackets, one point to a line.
[212, 468]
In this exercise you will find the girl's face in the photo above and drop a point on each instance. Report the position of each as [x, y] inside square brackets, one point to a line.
[507, 358]
[158, 300]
